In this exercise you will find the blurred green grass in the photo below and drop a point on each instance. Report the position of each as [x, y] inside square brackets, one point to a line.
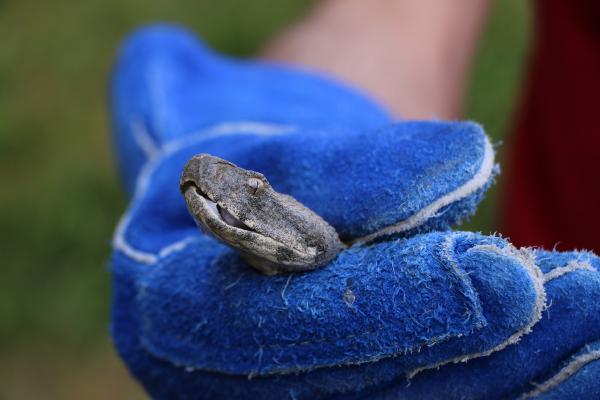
[60, 197]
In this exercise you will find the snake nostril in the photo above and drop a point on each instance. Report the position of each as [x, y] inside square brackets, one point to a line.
[187, 185]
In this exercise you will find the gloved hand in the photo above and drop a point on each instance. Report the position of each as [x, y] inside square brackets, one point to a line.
[191, 320]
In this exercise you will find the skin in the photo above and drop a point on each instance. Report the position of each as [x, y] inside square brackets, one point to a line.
[412, 56]
[272, 231]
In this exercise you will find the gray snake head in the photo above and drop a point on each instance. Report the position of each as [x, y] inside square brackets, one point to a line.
[272, 231]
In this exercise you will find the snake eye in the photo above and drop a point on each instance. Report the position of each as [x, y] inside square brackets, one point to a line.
[255, 186]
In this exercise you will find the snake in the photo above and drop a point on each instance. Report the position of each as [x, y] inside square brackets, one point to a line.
[273, 232]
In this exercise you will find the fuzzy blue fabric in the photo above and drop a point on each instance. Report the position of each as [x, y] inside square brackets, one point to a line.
[577, 378]
[361, 183]
[331, 148]
[570, 322]
[205, 320]
[407, 301]
[167, 84]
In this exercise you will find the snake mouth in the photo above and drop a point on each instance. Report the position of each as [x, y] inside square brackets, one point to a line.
[218, 221]
[217, 210]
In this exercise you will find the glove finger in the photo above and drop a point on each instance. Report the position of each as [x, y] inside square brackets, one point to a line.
[558, 359]
[201, 321]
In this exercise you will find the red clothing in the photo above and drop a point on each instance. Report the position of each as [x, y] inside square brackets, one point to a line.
[553, 186]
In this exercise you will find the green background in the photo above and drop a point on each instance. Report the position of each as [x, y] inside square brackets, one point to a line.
[60, 197]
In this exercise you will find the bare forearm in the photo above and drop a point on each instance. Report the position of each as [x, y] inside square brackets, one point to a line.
[411, 55]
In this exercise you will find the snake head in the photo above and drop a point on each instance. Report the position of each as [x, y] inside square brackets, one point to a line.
[272, 231]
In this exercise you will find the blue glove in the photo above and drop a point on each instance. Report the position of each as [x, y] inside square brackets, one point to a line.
[558, 359]
[191, 320]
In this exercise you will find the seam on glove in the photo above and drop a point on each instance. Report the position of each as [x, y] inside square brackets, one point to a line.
[571, 266]
[526, 257]
[565, 373]
[478, 181]
[152, 149]
[144, 140]
[142, 137]
[461, 275]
